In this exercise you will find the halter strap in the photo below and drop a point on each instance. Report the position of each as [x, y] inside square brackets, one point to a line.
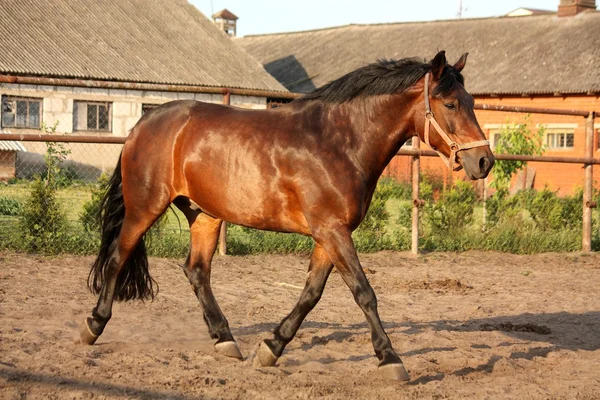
[452, 161]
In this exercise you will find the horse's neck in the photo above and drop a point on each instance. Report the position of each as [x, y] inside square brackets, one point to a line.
[381, 125]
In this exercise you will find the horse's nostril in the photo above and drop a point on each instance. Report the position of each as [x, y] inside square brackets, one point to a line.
[483, 164]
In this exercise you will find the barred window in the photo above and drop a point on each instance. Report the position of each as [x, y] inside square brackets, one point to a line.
[560, 140]
[21, 112]
[92, 116]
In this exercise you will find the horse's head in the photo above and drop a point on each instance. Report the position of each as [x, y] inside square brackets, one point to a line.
[450, 126]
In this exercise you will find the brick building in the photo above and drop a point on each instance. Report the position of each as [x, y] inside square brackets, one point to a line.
[536, 59]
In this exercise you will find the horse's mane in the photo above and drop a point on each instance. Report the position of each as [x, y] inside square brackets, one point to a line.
[382, 77]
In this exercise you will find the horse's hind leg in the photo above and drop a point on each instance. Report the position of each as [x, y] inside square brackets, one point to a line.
[127, 248]
[204, 236]
[318, 271]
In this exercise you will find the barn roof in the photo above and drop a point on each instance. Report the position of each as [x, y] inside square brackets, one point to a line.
[539, 54]
[150, 41]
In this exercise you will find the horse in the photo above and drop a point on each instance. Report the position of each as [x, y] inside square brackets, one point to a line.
[308, 167]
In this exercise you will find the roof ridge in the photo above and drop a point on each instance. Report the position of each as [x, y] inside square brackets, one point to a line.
[455, 20]
[328, 28]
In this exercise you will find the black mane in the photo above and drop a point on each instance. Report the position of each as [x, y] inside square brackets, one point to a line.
[382, 77]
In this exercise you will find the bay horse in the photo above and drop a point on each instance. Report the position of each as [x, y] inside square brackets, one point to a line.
[308, 167]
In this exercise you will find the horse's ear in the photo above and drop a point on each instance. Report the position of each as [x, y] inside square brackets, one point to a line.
[460, 64]
[438, 64]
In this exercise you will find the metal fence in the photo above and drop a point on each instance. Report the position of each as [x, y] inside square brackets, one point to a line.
[423, 213]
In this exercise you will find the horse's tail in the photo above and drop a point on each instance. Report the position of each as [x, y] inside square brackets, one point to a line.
[134, 280]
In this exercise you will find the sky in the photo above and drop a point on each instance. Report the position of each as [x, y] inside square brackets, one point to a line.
[273, 16]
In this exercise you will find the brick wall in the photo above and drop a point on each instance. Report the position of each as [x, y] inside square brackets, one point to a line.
[565, 178]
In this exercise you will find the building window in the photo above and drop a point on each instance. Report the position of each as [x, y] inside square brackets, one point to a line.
[21, 112]
[495, 140]
[273, 102]
[92, 116]
[148, 107]
[559, 140]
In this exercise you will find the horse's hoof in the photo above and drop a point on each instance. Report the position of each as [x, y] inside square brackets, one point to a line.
[264, 356]
[229, 349]
[394, 372]
[86, 334]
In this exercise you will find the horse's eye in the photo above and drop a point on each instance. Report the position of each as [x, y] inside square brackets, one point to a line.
[450, 106]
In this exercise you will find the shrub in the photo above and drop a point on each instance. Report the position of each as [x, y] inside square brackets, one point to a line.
[43, 222]
[454, 209]
[515, 139]
[445, 222]
[90, 217]
[369, 236]
[390, 188]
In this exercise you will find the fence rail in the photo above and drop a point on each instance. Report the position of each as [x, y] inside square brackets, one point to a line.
[415, 153]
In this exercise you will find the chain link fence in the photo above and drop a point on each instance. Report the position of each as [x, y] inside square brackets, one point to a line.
[50, 193]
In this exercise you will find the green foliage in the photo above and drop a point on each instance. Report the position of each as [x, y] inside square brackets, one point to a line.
[43, 222]
[90, 217]
[501, 207]
[9, 206]
[56, 154]
[445, 221]
[370, 234]
[454, 209]
[547, 210]
[389, 188]
[515, 139]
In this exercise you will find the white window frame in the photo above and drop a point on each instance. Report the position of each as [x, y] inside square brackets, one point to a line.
[558, 129]
[6, 98]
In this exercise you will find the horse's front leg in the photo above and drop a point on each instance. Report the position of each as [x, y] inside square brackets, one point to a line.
[339, 246]
[204, 235]
[318, 271]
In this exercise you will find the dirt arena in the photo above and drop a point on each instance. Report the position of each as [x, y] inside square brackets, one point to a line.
[472, 325]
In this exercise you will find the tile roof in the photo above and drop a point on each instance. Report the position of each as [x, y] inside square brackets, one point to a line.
[540, 54]
[151, 41]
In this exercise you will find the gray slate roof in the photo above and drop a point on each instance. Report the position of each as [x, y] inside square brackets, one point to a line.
[525, 55]
[151, 41]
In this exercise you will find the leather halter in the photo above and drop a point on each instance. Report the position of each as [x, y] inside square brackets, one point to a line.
[451, 162]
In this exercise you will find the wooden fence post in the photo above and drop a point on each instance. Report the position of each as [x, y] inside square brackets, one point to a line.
[223, 232]
[588, 201]
[416, 177]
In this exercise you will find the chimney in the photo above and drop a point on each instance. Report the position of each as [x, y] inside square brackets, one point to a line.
[226, 21]
[569, 8]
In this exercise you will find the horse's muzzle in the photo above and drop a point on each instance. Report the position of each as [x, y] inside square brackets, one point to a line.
[477, 162]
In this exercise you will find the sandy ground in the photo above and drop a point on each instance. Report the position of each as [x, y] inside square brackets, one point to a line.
[473, 325]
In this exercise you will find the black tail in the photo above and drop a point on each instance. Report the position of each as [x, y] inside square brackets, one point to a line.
[134, 281]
